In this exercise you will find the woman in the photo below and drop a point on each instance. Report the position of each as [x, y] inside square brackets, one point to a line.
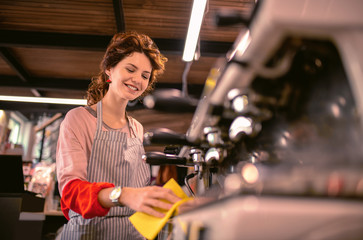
[102, 178]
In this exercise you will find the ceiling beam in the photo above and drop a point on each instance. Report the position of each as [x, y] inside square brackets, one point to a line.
[119, 15]
[11, 38]
[9, 57]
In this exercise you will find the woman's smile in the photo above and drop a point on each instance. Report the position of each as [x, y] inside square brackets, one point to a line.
[132, 87]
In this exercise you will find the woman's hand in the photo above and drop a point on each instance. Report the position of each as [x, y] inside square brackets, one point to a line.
[147, 198]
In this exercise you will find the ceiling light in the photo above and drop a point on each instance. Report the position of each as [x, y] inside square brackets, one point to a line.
[66, 101]
[195, 24]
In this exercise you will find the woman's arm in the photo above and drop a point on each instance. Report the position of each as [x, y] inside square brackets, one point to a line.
[92, 199]
[144, 199]
[82, 197]
[73, 150]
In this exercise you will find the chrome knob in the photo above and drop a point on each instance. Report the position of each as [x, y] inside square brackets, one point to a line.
[243, 126]
[196, 155]
[213, 135]
[213, 155]
[237, 101]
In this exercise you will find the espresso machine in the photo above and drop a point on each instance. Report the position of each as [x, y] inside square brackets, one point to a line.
[275, 144]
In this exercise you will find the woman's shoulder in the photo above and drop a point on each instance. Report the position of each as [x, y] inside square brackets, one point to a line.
[75, 111]
[77, 114]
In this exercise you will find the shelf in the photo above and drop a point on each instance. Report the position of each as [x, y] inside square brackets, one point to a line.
[53, 213]
[47, 123]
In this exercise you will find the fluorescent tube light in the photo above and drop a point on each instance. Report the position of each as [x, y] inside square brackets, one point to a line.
[195, 24]
[67, 101]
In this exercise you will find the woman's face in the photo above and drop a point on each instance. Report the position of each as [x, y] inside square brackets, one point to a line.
[130, 77]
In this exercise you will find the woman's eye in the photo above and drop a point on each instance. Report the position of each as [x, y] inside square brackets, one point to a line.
[130, 70]
[145, 77]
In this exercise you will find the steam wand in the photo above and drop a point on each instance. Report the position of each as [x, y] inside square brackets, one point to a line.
[186, 179]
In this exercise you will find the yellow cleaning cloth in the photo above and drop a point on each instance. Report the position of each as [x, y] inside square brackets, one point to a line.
[149, 226]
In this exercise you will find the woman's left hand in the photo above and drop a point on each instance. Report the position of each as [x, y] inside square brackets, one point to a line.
[146, 199]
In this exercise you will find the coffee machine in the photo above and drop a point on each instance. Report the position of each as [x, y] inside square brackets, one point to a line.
[276, 139]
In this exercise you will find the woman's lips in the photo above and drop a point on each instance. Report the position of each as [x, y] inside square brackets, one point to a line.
[132, 87]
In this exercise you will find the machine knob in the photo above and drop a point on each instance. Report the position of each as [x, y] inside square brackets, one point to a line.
[213, 155]
[213, 135]
[196, 155]
[243, 126]
[238, 101]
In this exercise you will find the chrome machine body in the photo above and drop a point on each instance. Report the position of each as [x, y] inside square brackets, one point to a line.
[276, 138]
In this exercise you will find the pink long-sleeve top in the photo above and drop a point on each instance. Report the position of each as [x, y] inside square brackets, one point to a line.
[74, 147]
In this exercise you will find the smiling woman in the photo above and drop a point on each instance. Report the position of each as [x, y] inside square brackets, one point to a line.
[102, 177]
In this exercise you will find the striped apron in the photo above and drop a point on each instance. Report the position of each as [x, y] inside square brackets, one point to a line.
[115, 158]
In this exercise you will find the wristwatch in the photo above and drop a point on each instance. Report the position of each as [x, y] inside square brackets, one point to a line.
[115, 195]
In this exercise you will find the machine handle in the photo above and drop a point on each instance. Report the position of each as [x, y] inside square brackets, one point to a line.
[159, 158]
[170, 100]
[164, 136]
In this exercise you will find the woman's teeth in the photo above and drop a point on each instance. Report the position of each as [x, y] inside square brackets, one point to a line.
[132, 87]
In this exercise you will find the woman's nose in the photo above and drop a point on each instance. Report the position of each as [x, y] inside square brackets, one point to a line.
[137, 77]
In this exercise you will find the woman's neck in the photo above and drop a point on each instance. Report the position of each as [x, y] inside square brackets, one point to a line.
[114, 113]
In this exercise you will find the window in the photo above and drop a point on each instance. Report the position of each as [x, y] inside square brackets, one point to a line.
[14, 127]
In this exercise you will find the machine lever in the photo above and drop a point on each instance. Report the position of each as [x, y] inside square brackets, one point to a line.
[164, 136]
[159, 158]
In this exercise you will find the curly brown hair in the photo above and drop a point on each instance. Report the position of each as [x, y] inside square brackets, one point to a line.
[121, 46]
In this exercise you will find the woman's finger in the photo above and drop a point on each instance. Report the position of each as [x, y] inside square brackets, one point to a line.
[164, 193]
[153, 212]
[159, 204]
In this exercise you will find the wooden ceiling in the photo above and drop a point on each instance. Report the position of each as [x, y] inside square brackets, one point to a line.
[52, 48]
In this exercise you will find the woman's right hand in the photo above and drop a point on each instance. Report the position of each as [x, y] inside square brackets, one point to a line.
[147, 198]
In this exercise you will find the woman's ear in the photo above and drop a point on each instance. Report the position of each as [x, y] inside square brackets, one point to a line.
[108, 72]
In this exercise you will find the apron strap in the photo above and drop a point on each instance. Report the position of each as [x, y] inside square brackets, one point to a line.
[131, 126]
[99, 116]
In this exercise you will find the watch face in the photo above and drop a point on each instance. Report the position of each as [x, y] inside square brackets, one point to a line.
[115, 194]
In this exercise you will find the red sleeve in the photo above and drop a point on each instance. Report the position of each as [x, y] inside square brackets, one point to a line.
[81, 197]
